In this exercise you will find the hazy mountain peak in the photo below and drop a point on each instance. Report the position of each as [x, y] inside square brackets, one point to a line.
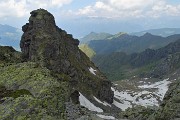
[147, 34]
[164, 32]
[95, 36]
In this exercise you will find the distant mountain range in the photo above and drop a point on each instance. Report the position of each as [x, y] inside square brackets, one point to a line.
[10, 36]
[123, 55]
[164, 32]
[123, 42]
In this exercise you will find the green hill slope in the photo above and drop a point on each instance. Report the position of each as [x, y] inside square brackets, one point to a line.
[151, 63]
[87, 50]
[94, 36]
[131, 44]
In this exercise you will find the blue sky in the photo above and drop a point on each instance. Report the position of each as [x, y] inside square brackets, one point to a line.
[80, 17]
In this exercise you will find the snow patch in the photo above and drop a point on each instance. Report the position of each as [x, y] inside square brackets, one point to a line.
[92, 70]
[162, 87]
[144, 97]
[122, 106]
[106, 117]
[86, 103]
[104, 103]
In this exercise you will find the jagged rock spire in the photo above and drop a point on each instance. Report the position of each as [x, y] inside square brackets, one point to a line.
[47, 44]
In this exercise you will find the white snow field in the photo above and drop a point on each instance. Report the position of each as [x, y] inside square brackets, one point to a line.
[86, 103]
[144, 97]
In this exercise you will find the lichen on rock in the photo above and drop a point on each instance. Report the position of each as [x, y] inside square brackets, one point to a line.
[41, 94]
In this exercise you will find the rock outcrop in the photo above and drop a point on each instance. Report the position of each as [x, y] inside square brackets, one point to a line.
[46, 81]
[44, 42]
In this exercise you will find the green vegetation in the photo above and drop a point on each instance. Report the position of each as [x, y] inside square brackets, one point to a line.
[94, 36]
[116, 35]
[12, 93]
[9, 55]
[87, 50]
[32, 88]
[154, 63]
[130, 44]
[127, 71]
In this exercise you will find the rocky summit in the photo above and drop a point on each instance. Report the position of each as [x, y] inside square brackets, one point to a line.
[47, 81]
[58, 51]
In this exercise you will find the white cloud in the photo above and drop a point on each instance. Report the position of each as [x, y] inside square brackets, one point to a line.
[20, 8]
[164, 9]
[122, 9]
[86, 10]
[10, 7]
[60, 2]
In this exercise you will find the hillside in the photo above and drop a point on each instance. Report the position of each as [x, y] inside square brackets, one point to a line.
[10, 36]
[94, 36]
[87, 50]
[150, 82]
[154, 63]
[130, 44]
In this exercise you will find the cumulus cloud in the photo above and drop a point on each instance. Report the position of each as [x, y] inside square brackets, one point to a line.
[20, 8]
[9, 7]
[130, 8]
[161, 8]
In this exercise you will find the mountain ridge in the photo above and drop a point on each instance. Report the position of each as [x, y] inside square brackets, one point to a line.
[164, 32]
[130, 44]
[149, 58]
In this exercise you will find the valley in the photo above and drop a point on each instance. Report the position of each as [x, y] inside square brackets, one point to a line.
[107, 77]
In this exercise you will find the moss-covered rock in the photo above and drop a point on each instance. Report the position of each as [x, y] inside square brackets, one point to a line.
[137, 113]
[32, 92]
[9, 55]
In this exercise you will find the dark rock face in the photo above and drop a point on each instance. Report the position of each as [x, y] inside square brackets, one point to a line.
[105, 92]
[58, 51]
[75, 97]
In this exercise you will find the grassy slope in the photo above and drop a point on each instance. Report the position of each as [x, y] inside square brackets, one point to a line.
[87, 50]
[46, 98]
